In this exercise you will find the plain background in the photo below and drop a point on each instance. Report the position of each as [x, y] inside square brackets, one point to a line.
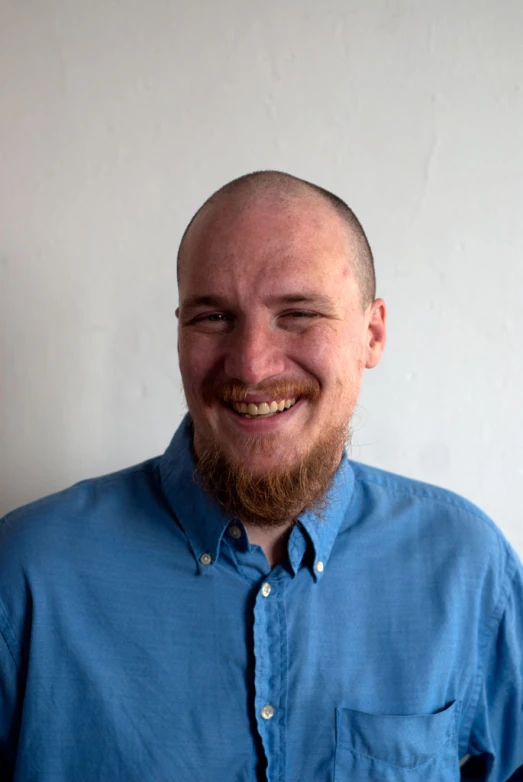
[119, 117]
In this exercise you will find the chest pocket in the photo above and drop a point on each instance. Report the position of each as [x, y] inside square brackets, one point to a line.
[385, 748]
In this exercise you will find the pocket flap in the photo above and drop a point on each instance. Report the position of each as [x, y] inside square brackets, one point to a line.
[406, 741]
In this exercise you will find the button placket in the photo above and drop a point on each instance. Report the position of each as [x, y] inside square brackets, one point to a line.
[270, 675]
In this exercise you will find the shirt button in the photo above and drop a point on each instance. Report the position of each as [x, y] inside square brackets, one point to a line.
[319, 566]
[235, 532]
[267, 712]
[206, 559]
[266, 589]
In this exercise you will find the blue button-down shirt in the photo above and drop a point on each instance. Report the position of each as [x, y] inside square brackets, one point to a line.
[143, 639]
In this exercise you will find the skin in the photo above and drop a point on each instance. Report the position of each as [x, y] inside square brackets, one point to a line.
[267, 294]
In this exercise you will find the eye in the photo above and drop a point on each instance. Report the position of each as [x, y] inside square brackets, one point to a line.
[210, 321]
[209, 317]
[300, 315]
[298, 321]
[214, 317]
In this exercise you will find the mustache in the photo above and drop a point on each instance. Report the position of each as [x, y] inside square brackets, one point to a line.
[285, 388]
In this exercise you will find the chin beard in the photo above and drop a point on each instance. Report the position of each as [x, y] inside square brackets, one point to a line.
[278, 495]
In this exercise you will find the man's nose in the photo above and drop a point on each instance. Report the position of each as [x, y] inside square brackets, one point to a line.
[254, 354]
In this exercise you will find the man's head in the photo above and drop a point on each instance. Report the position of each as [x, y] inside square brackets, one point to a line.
[277, 309]
[281, 186]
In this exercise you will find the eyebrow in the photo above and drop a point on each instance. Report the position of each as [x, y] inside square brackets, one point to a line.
[209, 300]
[203, 301]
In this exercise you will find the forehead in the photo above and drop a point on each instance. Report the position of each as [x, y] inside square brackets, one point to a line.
[268, 243]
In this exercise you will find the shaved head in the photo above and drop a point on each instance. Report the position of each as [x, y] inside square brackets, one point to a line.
[281, 189]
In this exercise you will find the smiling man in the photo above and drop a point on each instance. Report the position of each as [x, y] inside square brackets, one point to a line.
[252, 605]
[277, 323]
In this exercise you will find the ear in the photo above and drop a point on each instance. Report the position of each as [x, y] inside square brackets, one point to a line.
[376, 333]
[177, 313]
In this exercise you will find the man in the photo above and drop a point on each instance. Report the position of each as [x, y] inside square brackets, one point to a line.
[252, 605]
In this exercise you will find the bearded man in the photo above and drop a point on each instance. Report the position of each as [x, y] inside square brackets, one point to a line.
[252, 605]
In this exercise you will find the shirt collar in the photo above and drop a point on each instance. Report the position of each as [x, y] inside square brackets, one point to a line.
[202, 519]
[322, 526]
[204, 522]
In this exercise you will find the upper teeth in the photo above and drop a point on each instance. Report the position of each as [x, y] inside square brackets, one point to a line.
[264, 408]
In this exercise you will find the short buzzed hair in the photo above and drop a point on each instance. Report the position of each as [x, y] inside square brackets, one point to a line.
[279, 185]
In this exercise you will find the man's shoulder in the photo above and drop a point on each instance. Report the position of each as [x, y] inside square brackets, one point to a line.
[394, 484]
[75, 509]
[436, 513]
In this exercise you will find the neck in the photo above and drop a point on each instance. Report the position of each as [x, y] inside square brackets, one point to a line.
[272, 541]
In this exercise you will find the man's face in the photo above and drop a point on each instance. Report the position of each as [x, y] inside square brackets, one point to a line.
[271, 317]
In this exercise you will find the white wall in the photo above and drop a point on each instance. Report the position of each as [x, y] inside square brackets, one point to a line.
[118, 117]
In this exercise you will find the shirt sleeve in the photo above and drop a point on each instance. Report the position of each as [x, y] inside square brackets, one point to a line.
[8, 702]
[497, 727]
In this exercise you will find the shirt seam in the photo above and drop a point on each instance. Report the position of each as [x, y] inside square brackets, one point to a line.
[433, 493]
[148, 466]
[5, 629]
[487, 635]
[388, 764]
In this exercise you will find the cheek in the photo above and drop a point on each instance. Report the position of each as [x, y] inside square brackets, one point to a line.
[327, 356]
[198, 361]
[315, 350]
[192, 354]
[192, 368]
[337, 363]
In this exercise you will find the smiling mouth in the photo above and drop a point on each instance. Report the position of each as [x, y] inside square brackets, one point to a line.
[262, 409]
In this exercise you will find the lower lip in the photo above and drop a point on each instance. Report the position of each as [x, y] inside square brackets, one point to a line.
[263, 424]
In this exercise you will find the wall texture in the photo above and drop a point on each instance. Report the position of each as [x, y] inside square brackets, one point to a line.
[118, 117]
